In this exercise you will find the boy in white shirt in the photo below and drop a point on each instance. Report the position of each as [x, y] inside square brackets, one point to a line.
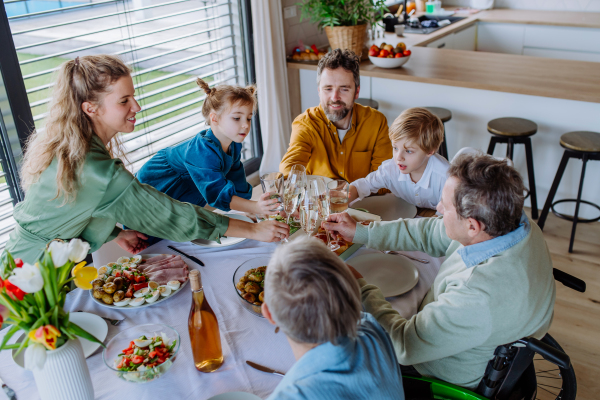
[416, 173]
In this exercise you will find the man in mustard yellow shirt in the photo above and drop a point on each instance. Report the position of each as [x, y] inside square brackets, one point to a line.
[338, 139]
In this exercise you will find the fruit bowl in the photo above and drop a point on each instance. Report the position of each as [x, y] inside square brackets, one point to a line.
[389, 62]
[122, 340]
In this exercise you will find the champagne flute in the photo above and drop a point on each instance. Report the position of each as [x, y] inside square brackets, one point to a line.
[322, 196]
[309, 212]
[294, 187]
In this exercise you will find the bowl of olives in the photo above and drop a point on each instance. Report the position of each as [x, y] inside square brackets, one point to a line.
[249, 281]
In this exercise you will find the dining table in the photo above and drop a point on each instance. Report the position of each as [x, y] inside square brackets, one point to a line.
[244, 336]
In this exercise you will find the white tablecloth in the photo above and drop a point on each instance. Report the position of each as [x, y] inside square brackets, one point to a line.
[243, 335]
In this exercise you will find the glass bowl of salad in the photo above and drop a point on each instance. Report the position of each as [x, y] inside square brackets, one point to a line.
[142, 353]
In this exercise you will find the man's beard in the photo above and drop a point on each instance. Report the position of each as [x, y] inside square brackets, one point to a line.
[337, 115]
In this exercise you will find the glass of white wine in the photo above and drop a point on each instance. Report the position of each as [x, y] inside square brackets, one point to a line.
[322, 198]
[338, 195]
[309, 212]
[272, 182]
[294, 186]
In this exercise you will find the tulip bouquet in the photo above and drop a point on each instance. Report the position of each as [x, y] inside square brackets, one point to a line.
[32, 298]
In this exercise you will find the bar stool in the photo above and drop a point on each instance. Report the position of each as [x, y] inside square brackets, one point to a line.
[368, 102]
[445, 115]
[585, 146]
[513, 131]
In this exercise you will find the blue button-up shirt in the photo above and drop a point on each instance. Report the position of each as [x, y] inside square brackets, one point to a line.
[477, 253]
[365, 368]
[198, 171]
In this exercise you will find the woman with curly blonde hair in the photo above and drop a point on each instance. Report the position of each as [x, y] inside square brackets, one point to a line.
[75, 188]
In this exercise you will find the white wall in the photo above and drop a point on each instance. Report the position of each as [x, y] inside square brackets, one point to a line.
[472, 109]
[556, 5]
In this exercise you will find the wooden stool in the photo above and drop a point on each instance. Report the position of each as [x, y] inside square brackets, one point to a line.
[513, 131]
[585, 146]
[368, 102]
[445, 115]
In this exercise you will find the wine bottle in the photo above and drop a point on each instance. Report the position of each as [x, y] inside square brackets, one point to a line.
[204, 329]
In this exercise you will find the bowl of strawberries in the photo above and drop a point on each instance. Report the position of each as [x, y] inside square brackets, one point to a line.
[388, 56]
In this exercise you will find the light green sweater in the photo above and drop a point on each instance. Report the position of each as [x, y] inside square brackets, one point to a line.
[468, 311]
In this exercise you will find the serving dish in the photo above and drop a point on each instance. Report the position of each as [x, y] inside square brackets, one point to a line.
[122, 340]
[389, 62]
[239, 273]
[159, 300]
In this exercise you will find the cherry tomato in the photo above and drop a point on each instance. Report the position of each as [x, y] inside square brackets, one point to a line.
[407, 53]
[137, 359]
[18, 262]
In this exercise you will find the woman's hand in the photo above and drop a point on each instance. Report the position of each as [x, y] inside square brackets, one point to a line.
[341, 224]
[131, 241]
[271, 231]
[266, 205]
[266, 231]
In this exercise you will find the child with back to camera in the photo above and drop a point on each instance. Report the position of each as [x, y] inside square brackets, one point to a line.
[207, 169]
[416, 173]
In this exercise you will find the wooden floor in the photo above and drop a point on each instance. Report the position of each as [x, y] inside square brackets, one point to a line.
[576, 324]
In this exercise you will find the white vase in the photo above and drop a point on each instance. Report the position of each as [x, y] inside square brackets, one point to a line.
[65, 375]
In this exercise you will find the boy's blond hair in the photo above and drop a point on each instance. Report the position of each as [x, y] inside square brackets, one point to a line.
[420, 126]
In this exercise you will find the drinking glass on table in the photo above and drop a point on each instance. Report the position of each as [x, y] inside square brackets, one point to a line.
[318, 185]
[309, 211]
[338, 195]
[272, 182]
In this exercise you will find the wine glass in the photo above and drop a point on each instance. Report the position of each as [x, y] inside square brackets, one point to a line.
[294, 187]
[272, 182]
[322, 197]
[309, 212]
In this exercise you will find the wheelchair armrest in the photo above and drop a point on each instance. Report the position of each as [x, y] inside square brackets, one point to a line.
[569, 280]
[549, 353]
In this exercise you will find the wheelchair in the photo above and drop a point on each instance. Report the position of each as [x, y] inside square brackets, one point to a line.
[528, 369]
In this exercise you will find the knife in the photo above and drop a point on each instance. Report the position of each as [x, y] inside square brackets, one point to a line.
[9, 392]
[264, 369]
[194, 259]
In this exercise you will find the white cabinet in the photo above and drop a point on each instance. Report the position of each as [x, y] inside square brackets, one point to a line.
[562, 42]
[500, 38]
[465, 39]
[442, 43]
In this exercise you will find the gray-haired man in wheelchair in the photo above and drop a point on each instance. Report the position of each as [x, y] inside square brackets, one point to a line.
[494, 287]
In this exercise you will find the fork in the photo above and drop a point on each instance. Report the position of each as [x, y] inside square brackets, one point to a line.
[113, 322]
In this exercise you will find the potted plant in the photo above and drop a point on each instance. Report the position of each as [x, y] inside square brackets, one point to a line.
[345, 21]
[32, 298]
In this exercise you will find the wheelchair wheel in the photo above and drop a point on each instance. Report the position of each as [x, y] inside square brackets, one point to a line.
[553, 383]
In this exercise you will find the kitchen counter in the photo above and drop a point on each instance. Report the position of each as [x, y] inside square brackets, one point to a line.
[554, 78]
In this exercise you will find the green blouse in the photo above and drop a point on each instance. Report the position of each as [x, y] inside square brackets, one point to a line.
[107, 194]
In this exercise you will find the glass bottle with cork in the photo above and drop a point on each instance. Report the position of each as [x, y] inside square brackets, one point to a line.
[204, 329]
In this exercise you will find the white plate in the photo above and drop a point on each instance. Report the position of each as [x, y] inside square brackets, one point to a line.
[91, 323]
[392, 274]
[225, 241]
[235, 396]
[388, 207]
[128, 307]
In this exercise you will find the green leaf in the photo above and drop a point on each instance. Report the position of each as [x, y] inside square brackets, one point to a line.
[55, 316]
[77, 330]
[11, 346]
[13, 329]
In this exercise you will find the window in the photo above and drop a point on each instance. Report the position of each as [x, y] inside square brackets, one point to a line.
[167, 43]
